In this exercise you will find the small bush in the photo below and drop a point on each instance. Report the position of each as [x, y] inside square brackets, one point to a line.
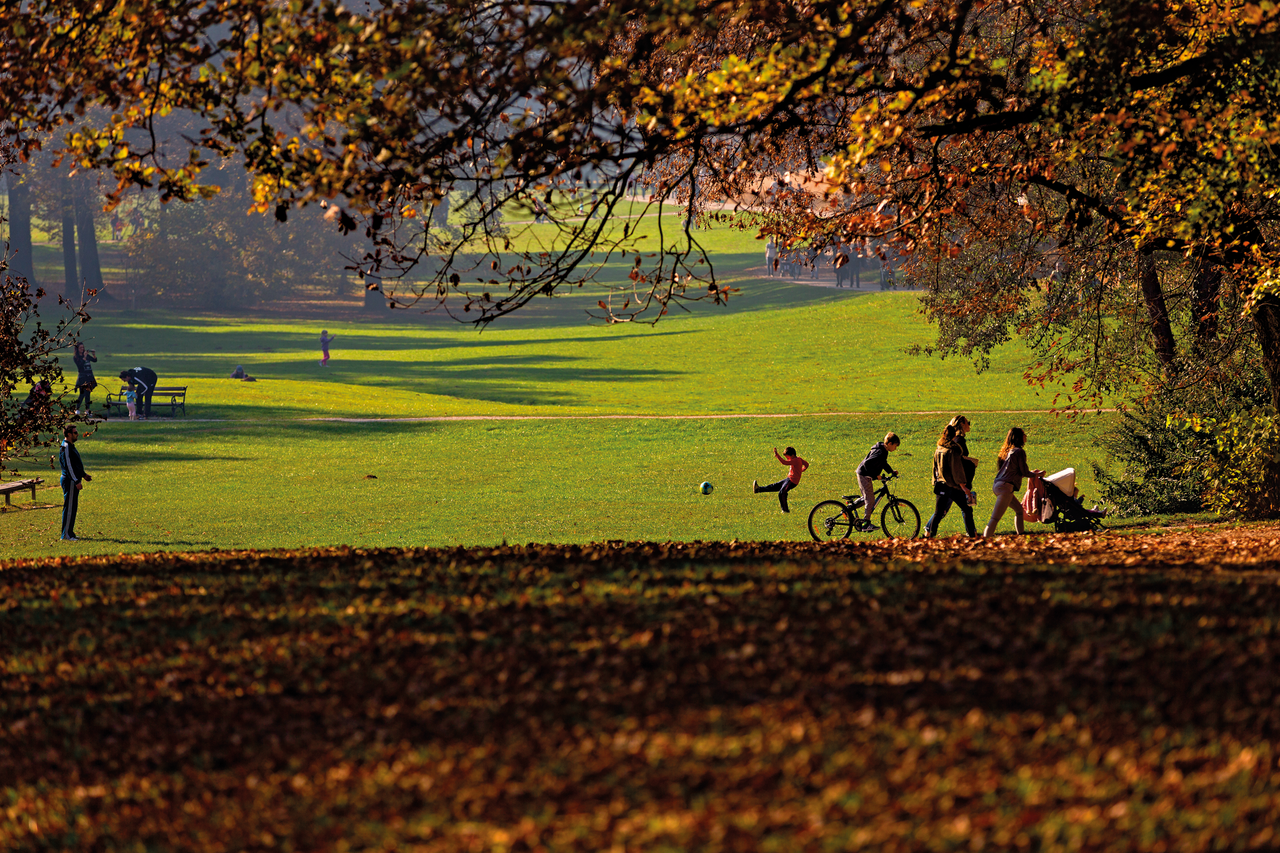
[1242, 472]
[1157, 460]
[1168, 450]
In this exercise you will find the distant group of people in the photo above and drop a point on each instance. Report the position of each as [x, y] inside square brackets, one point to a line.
[790, 263]
[136, 219]
[796, 261]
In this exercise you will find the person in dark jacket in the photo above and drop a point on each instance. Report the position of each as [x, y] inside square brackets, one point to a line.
[85, 381]
[967, 462]
[73, 480]
[144, 379]
[949, 485]
[874, 466]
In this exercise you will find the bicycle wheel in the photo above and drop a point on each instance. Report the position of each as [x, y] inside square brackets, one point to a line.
[830, 520]
[900, 519]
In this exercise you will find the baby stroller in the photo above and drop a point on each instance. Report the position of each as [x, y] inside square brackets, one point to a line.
[1062, 506]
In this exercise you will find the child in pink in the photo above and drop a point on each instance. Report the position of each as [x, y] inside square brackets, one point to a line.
[797, 465]
[325, 339]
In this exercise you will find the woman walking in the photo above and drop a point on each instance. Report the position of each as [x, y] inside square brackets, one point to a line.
[1013, 467]
[967, 462]
[85, 381]
[949, 484]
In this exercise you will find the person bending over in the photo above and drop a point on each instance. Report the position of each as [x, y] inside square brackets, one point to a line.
[144, 381]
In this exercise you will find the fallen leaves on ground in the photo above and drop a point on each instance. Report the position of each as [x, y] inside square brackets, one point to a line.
[1048, 692]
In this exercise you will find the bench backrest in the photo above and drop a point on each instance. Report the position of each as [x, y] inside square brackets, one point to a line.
[162, 389]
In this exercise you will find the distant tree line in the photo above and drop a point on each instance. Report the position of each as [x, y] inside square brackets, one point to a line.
[209, 252]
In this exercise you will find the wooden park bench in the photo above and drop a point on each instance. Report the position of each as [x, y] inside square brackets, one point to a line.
[171, 397]
[7, 489]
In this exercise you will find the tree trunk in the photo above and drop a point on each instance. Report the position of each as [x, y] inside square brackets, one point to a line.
[1204, 305]
[90, 266]
[23, 261]
[440, 215]
[374, 300]
[1161, 328]
[1266, 319]
[71, 279]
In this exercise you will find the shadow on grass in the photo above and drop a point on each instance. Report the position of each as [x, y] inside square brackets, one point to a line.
[525, 379]
[464, 661]
[116, 457]
[157, 332]
[162, 342]
[158, 543]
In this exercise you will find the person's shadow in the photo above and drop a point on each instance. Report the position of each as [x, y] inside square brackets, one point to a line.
[185, 543]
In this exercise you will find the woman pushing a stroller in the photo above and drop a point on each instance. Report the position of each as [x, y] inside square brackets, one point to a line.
[1053, 499]
[1013, 467]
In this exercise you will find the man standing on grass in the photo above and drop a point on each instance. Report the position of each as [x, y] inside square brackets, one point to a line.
[73, 480]
[145, 379]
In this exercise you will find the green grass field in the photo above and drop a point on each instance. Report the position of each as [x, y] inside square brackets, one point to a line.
[300, 456]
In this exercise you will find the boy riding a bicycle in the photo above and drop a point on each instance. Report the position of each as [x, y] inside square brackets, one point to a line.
[872, 467]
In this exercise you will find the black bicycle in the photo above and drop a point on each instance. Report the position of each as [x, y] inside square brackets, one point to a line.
[837, 519]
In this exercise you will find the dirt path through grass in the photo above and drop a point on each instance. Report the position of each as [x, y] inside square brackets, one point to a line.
[618, 417]
[429, 419]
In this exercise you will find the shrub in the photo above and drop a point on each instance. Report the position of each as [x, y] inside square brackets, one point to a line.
[1168, 450]
[1157, 460]
[1242, 473]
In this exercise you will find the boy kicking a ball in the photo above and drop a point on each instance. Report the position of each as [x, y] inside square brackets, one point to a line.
[872, 467]
[797, 466]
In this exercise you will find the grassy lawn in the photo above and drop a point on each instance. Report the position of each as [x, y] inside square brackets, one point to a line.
[256, 465]
[799, 349]
[293, 484]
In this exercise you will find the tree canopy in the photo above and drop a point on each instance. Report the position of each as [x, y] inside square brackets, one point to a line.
[1122, 150]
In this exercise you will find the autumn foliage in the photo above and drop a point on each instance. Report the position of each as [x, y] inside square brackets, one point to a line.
[1038, 693]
